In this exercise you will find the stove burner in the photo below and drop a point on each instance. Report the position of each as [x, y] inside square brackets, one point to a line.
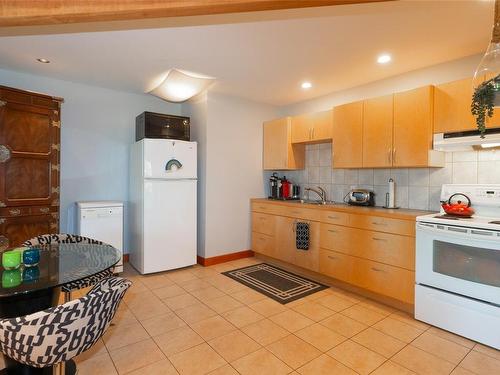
[494, 222]
[451, 217]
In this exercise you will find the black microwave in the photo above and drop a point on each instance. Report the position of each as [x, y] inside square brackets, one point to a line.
[158, 125]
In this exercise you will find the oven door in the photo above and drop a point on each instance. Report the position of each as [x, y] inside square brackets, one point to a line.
[461, 260]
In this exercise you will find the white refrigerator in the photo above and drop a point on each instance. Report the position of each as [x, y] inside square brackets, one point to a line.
[163, 181]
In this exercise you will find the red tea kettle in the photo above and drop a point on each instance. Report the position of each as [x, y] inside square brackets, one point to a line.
[459, 208]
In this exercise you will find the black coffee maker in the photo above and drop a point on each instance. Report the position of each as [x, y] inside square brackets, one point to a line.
[274, 186]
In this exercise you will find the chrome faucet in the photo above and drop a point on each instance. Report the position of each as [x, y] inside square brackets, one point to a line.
[320, 192]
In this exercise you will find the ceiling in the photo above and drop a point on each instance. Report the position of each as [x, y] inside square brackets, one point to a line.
[265, 56]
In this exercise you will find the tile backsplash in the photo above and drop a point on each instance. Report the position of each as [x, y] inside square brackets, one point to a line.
[417, 188]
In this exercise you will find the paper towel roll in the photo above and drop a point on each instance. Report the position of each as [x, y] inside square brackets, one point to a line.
[392, 194]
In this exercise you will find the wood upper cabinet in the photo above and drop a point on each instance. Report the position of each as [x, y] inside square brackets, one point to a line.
[412, 137]
[312, 127]
[301, 128]
[377, 132]
[279, 152]
[452, 102]
[347, 136]
[322, 126]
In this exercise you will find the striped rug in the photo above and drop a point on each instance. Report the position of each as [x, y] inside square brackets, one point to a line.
[278, 284]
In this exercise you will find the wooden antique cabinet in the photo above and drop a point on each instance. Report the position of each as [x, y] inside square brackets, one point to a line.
[29, 165]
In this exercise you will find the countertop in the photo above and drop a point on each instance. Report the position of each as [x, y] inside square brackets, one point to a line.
[400, 213]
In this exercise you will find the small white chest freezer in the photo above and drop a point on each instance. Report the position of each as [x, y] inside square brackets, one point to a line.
[103, 221]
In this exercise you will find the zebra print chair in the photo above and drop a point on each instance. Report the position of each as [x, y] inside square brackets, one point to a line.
[53, 336]
[68, 288]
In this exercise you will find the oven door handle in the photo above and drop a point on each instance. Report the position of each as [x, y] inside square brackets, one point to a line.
[457, 233]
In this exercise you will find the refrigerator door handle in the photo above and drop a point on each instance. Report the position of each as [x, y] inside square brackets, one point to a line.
[171, 163]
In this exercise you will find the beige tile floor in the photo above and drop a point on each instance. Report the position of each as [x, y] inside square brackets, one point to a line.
[197, 321]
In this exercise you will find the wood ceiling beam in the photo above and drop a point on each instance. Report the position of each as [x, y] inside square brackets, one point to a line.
[54, 12]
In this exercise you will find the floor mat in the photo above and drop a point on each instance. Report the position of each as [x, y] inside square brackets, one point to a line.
[278, 284]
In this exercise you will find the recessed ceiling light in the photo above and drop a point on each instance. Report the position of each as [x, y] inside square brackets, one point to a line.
[43, 61]
[306, 85]
[384, 59]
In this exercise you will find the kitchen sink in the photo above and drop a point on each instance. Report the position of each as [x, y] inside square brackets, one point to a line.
[319, 203]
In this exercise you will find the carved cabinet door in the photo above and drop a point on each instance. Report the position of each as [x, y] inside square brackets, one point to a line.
[15, 230]
[29, 155]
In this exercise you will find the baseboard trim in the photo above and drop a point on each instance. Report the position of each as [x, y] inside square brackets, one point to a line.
[224, 258]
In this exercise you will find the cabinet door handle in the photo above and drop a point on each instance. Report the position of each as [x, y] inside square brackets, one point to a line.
[389, 156]
[379, 239]
[332, 231]
[377, 269]
[333, 217]
[332, 258]
[15, 211]
[394, 155]
[5, 153]
[313, 133]
[375, 223]
[44, 210]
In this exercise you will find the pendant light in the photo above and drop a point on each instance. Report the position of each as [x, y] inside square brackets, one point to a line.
[486, 82]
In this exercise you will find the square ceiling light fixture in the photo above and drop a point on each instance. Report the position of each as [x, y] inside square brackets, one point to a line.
[180, 85]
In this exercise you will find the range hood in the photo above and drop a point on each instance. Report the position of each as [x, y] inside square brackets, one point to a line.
[467, 140]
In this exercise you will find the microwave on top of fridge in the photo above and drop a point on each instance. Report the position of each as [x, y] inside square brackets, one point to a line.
[158, 125]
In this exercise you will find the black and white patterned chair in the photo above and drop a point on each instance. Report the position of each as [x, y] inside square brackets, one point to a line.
[68, 288]
[53, 336]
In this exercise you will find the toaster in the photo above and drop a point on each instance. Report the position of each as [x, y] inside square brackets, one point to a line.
[361, 197]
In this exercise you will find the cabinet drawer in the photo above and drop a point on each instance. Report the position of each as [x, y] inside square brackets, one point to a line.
[335, 217]
[383, 224]
[300, 213]
[389, 281]
[336, 237]
[263, 223]
[263, 244]
[336, 265]
[381, 247]
[268, 208]
[14, 211]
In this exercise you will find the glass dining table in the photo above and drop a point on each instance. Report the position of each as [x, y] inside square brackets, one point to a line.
[34, 286]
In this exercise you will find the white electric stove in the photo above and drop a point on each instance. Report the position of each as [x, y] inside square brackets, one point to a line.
[458, 267]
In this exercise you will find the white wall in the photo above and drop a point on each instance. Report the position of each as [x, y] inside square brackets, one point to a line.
[196, 109]
[436, 74]
[97, 128]
[233, 175]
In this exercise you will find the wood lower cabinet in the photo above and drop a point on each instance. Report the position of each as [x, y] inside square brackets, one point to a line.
[279, 152]
[29, 164]
[376, 253]
[347, 137]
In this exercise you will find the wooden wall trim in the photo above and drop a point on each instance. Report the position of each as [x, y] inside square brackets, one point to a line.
[53, 12]
[224, 258]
